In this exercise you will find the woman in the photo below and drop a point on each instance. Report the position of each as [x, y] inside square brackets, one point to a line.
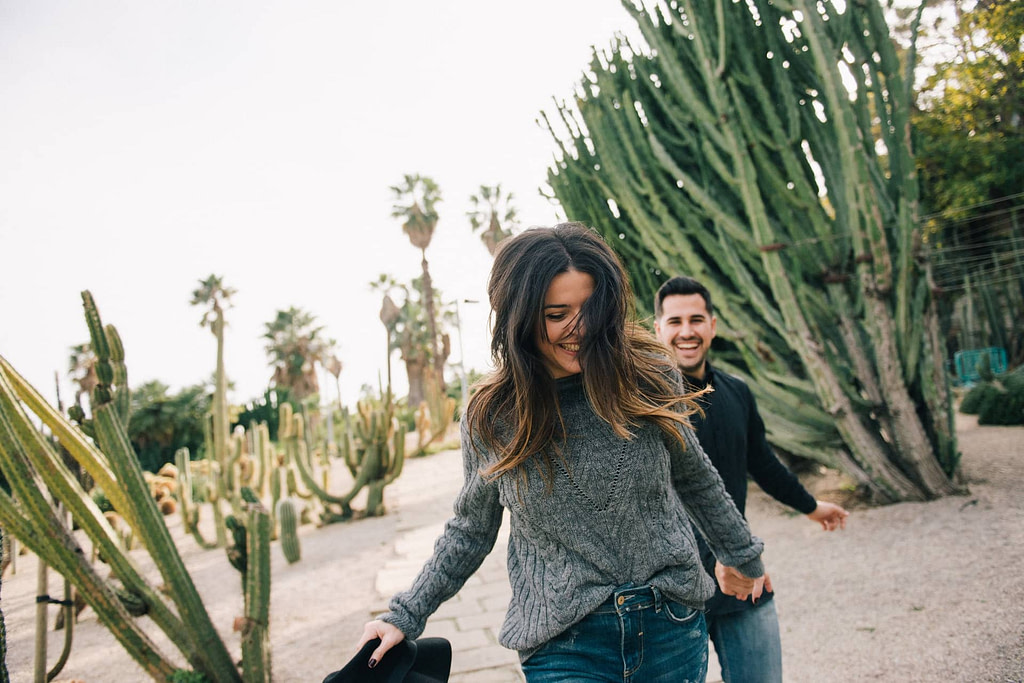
[581, 433]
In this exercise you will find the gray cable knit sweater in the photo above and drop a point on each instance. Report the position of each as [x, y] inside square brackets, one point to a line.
[619, 512]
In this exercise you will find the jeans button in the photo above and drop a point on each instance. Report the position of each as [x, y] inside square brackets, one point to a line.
[621, 599]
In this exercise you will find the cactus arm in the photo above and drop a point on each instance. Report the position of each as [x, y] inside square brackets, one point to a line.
[305, 472]
[153, 532]
[398, 459]
[256, 660]
[189, 508]
[66, 488]
[66, 556]
[70, 436]
[122, 397]
[288, 518]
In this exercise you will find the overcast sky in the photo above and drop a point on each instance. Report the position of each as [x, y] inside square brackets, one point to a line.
[145, 145]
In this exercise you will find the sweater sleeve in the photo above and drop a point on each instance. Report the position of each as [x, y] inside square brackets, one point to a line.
[467, 539]
[711, 508]
[765, 468]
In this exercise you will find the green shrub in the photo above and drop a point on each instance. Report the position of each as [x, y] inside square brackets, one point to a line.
[186, 676]
[999, 401]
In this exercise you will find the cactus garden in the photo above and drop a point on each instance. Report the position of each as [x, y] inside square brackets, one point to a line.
[204, 476]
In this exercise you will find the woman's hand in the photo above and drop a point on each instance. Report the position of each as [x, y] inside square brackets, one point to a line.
[389, 637]
[733, 583]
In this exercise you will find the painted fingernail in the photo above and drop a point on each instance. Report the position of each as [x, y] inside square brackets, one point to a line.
[373, 663]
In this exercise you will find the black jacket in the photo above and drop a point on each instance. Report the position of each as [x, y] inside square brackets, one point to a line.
[732, 433]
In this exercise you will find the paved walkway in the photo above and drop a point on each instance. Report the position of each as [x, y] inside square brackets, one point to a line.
[422, 500]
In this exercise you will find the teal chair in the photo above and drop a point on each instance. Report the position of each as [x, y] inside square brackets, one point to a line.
[966, 363]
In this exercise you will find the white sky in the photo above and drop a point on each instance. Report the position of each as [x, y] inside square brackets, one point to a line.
[145, 145]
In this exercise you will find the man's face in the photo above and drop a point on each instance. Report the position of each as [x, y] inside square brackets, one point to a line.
[687, 328]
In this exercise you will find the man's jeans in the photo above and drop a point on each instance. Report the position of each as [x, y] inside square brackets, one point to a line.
[636, 635]
[748, 645]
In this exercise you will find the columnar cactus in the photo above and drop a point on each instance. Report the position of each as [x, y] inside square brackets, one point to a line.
[378, 455]
[256, 660]
[189, 507]
[288, 521]
[763, 147]
[32, 465]
[4, 676]
[434, 415]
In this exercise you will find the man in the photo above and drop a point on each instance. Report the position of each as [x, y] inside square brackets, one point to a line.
[743, 627]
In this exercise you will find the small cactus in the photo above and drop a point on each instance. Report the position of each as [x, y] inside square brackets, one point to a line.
[288, 519]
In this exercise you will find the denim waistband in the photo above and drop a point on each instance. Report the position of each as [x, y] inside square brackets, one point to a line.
[630, 598]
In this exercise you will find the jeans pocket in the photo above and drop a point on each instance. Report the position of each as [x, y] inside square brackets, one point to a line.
[679, 613]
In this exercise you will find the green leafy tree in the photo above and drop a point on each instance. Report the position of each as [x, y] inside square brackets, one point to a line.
[493, 215]
[416, 200]
[969, 142]
[295, 345]
[265, 409]
[763, 148]
[969, 121]
[162, 423]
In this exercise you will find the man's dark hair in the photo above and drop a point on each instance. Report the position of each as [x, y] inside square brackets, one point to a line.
[681, 285]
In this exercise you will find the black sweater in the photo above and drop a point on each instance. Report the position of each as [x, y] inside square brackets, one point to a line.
[732, 434]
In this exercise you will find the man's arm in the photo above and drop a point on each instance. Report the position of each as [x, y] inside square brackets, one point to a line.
[776, 479]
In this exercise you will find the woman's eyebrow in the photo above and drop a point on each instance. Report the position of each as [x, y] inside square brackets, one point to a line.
[556, 306]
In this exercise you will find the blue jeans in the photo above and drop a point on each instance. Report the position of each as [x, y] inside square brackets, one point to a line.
[748, 645]
[635, 636]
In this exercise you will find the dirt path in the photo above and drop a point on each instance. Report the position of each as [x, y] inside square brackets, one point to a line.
[911, 592]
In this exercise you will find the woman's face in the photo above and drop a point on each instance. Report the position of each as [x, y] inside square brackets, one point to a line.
[558, 340]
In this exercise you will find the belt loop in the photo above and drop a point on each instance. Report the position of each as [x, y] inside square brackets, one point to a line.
[657, 599]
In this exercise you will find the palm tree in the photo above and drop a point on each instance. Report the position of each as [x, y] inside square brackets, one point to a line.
[82, 370]
[493, 214]
[407, 332]
[295, 345]
[217, 297]
[415, 202]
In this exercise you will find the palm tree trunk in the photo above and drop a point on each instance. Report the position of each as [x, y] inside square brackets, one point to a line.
[428, 306]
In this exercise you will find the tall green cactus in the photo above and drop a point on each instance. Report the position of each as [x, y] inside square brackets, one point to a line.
[433, 416]
[189, 507]
[256, 659]
[4, 676]
[763, 148]
[378, 454]
[31, 461]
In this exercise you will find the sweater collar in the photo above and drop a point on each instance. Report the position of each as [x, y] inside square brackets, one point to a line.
[569, 385]
[694, 384]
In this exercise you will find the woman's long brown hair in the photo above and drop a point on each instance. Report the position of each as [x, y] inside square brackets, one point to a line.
[627, 372]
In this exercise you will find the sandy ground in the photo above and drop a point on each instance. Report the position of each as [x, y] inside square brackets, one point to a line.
[911, 592]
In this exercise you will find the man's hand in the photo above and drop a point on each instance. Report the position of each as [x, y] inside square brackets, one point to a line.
[829, 515]
[733, 583]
